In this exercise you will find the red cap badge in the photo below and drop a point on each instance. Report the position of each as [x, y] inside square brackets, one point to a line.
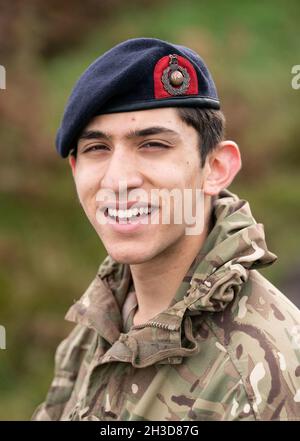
[174, 75]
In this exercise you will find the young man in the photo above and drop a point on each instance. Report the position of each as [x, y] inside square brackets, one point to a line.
[178, 324]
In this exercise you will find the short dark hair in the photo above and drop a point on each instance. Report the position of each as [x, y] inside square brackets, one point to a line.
[209, 124]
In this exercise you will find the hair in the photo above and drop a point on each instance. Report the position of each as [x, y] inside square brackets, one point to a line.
[209, 124]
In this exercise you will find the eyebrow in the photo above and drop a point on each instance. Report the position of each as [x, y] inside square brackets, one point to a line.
[155, 130]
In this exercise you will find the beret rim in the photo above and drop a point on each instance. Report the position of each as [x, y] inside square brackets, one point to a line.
[195, 101]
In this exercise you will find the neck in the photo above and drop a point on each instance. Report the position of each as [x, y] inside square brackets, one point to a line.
[157, 280]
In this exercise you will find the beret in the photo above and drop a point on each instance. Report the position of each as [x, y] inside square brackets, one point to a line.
[137, 74]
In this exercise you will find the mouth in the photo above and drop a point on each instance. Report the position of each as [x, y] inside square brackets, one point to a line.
[129, 215]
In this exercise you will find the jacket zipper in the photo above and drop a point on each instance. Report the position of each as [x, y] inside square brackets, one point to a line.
[155, 325]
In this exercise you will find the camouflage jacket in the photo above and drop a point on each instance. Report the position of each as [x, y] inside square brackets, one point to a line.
[227, 347]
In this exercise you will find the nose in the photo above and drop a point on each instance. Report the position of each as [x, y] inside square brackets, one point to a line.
[122, 171]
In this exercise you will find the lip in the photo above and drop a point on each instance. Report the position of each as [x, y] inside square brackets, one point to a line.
[130, 226]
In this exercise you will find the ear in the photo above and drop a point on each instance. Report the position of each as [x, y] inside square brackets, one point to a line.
[72, 163]
[222, 166]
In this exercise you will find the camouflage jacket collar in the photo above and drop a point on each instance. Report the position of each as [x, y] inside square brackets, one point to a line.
[235, 244]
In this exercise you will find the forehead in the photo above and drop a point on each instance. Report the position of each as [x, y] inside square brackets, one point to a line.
[122, 121]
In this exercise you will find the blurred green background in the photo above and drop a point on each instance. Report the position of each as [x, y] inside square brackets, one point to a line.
[48, 251]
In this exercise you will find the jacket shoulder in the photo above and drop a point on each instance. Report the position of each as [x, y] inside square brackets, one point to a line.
[260, 329]
[68, 358]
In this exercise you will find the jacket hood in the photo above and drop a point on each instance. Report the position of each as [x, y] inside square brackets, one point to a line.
[235, 245]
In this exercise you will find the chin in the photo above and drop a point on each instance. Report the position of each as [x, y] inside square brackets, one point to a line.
[129, 257]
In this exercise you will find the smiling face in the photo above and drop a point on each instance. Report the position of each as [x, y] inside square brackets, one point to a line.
[149, 149]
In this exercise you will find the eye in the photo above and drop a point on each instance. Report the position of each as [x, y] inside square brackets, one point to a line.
[94, 148]
[155, 144]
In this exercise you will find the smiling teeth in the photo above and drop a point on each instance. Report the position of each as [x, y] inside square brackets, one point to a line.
[123, 214]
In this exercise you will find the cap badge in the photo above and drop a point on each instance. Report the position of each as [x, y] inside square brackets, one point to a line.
[175, 78]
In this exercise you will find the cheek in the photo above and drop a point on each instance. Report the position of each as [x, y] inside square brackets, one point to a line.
[87, 184]
[192, 169]
[182, 176]
[194, 177]
[167, 174]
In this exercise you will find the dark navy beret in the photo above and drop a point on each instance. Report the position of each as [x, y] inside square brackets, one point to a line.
[137, 74]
